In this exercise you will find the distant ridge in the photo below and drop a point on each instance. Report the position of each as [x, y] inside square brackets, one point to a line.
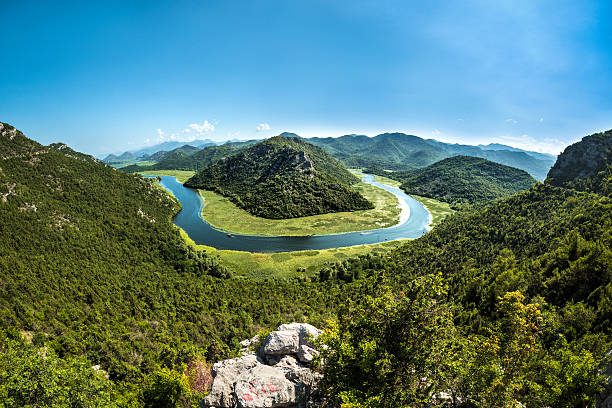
[399, 151]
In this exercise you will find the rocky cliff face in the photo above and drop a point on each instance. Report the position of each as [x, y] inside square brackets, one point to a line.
[274, 375]
[586, 165]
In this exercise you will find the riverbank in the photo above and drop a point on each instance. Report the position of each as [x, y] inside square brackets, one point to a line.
[289, 265]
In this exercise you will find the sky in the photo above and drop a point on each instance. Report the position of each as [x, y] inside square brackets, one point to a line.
[113, 76]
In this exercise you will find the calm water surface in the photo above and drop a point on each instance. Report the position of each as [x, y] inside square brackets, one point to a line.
[203, 233]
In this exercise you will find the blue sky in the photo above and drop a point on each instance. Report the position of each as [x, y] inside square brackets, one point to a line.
[113, 76]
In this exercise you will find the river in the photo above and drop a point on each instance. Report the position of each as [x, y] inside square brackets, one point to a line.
[414, 221]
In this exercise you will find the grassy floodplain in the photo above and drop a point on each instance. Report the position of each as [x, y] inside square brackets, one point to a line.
[221, 213]
[287, 265]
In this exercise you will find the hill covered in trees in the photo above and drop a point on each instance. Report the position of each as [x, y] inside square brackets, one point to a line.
[398, 151]
[283, 177]
[461, 180]
[509, 304]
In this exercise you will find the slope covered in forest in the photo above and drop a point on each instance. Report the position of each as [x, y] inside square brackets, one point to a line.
[513, 304]
[461, 180]
[95, 273]
[283, 177]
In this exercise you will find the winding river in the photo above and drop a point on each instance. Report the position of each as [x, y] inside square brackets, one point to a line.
[414, 220]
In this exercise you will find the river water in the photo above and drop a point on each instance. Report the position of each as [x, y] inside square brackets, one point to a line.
[414, 220]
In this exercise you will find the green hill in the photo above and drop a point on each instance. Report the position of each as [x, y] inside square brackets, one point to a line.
[586, 165]
[461, 180]
[399, 152]
[283, 177]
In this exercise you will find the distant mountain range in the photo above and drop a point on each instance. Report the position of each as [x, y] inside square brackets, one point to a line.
[391, 151]
[398, 151]
[149, 153]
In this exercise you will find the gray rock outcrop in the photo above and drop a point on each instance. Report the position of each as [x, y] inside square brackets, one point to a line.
[275, 375]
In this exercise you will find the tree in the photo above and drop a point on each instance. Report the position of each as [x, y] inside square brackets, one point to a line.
[390, 350]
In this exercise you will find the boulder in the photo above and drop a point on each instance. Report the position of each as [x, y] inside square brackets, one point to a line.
[275, 377]
[281, 342]
[224, 374]
[266, 386]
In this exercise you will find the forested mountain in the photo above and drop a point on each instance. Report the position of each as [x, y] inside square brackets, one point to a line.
[283, 177]
[398, 151]
[196, 160]
[518, 299]
[585, 166]
[461, 180]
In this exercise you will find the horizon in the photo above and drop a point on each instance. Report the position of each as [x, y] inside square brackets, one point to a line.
[187, 142]
[104, 77]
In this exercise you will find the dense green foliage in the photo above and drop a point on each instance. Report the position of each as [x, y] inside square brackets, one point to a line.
[461, 180]
[585, 166]
[553, 245]
[192, 160]
[93, 267]
[283, 177]
[512, 303]
[398, 152]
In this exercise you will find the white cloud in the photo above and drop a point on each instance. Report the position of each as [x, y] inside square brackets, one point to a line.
[205, 127]
[541, 119]
[436, 132]
[187, 130]
[526, 142]
[511, 120]
[263, 126]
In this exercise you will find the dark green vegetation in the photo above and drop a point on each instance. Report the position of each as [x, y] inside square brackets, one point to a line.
[398, 151]
[283, 177]
[586, 165]
[191, 160]
[94, 273]
[511, 303]
[461, 180]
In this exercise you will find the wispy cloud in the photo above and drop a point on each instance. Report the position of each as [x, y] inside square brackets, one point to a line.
[541, 120]
[263, 126]
[511, 120]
